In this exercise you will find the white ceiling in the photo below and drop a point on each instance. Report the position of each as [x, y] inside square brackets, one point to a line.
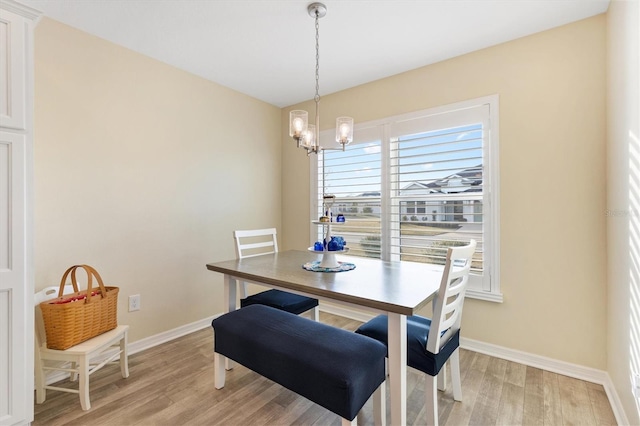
[266, 48]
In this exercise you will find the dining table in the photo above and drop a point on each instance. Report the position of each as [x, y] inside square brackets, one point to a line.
[395, 288]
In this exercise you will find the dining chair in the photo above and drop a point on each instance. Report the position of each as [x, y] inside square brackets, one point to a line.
[259, 242]
[431, 342]
[81, 360]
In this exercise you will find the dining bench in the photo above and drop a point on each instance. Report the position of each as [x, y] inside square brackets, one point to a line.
[331, 367]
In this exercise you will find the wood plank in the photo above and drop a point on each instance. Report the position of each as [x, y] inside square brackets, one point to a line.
[485, 410]
[415, 394]
[298, 410]
[475, 366]
[552, 403]
[515, 374]
[600, 405]
[533, 412]
[259, 408]
[575, 402]
[310, 416]
[511, 407]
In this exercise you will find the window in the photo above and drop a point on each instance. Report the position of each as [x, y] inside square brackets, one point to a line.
[410, 186]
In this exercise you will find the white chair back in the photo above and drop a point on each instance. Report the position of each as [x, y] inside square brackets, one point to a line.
[447, 306]
[255, 242]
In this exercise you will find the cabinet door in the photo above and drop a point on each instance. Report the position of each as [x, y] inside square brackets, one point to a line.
[16, 317]
[12, 70]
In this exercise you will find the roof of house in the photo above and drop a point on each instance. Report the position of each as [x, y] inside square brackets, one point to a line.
[466, 180]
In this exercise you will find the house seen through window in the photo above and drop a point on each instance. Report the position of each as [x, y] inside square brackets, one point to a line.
[410, 186]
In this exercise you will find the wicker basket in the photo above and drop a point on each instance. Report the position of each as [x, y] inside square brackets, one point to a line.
[73, 318]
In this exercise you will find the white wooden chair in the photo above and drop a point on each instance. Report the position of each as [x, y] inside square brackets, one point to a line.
[433, 342]
[258, 242]
[80, 360]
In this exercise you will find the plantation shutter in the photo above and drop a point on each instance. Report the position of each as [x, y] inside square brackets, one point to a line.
[437, 187]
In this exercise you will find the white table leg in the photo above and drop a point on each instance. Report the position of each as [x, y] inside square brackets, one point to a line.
[230, 288]
[397, 326]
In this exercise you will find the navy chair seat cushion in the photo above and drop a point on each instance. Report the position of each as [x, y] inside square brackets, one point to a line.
[282, 300]
[417, 334]
[334, 368]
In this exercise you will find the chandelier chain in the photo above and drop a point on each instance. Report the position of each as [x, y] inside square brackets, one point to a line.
[317, 97]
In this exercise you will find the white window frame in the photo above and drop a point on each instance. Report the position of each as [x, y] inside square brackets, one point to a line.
[489, 287]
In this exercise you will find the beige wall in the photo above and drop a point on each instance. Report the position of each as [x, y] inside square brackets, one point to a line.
[552, 170]
[143, 171]
[623, 199]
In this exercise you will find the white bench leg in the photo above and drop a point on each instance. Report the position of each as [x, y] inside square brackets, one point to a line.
[219, 371]
[41, 392]
[74, 375]
[83, 379]
[316, 314]
[380, 406]
[124, 356]
[353, 422]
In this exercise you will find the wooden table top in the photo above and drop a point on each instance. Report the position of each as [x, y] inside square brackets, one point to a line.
[398, 287]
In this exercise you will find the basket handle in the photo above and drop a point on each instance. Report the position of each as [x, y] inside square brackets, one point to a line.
[74, 282]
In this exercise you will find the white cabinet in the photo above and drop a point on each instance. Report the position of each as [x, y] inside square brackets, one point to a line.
[12, 70]
[16, 213]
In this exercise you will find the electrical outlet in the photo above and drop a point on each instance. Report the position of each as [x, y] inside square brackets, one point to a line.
[134, 303]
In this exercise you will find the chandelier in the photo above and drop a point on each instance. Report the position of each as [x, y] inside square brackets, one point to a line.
[307, 135]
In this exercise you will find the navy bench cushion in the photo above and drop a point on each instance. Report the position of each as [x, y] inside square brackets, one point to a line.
[282, 300]
[334, 368]
[417, 333]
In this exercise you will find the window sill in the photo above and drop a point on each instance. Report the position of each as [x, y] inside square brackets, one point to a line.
[484, 295]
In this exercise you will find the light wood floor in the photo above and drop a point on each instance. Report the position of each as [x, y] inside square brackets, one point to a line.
[172, 384]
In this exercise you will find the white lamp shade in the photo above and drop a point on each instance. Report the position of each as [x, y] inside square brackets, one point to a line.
[298, 123]
[344, 130]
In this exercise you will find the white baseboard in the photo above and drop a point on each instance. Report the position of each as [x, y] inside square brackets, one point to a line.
[560, 367]
[166, 336]
[614, 400]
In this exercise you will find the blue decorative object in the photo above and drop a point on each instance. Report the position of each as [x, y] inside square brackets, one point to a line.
[340, 218]
[315, 267]
[318, 246]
